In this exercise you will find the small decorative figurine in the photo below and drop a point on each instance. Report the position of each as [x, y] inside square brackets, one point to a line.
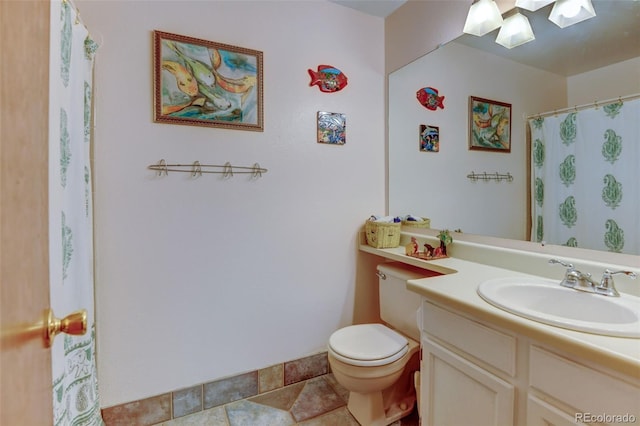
[328, 78]
[428, 98]
[445, 240]
[430, 252]
[411, 248]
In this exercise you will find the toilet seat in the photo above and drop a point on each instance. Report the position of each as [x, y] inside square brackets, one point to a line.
[368, 345]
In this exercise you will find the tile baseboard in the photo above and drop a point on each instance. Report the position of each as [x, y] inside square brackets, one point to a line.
[204, 396]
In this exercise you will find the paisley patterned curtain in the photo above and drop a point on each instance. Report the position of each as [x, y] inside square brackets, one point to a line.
[586, 178]
[75, 385]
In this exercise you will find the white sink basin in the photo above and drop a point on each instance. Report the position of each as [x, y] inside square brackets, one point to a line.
[546, 301]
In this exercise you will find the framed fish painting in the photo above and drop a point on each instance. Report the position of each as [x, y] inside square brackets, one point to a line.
[332, 128]
[489, 125]
[204, 83]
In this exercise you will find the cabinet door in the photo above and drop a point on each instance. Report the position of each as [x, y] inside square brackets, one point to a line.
[457, 392]
[588, 391]
[539, 413]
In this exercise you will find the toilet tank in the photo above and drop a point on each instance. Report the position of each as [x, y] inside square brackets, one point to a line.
[398, 306]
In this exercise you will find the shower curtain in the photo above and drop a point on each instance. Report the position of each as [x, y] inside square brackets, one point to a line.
[75, 384]
[586, 178]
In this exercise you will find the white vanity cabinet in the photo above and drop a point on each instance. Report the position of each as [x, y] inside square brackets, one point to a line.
[461, 368]
[473, 373]
[571, 391]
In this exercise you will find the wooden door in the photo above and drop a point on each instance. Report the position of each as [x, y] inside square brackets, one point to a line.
[25, 365]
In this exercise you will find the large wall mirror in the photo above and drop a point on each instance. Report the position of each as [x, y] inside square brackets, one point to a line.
[595, 60]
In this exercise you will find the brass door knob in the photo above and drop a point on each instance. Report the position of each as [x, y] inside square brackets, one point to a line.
[74, 324]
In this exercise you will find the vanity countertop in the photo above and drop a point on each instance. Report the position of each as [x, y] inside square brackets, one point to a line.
[456, 289]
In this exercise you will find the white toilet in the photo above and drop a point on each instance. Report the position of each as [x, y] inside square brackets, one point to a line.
[376, 362]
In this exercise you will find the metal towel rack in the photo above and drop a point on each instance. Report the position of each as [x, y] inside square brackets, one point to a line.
[499, 177]
[196, 169]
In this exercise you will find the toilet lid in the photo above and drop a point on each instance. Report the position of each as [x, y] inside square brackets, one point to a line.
[368, 344]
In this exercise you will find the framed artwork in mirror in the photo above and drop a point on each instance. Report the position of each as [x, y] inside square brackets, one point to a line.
[429, 138]
[489, 125]
[204, 83]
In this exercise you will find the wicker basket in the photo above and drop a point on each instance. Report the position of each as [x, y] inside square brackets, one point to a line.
[425, 223]
[382, 234]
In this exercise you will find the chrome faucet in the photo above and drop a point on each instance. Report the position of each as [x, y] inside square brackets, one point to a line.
[583, 282]
[607, 286]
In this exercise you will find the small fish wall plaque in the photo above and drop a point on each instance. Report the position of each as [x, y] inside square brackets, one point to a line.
[332, 128]
[428, 98]
[328, 78]
[429, 138]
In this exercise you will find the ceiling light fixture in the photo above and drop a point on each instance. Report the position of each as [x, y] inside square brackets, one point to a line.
[515, 31]
[532, 5]
[483, 17]
[569, 12]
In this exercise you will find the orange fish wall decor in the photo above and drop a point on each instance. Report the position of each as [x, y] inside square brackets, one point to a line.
[429, 98]
[328, 78]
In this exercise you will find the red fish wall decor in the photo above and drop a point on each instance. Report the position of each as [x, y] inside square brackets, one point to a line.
[328, 78]
[428, 98]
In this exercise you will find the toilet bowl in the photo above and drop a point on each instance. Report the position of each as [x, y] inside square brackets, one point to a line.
[377, 363]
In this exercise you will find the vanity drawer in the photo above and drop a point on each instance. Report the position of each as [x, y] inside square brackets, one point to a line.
[581, 387]
[474, 339]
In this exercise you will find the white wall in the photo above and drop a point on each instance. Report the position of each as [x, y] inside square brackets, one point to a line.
[197, 279]
[435, 185]
[611, 82]
[418, 27]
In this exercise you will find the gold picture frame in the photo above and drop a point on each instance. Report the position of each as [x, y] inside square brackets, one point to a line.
[205, 83]
[489, 125]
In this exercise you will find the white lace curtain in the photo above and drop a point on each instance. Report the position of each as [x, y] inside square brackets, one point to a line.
[586, 178]
[75, 384]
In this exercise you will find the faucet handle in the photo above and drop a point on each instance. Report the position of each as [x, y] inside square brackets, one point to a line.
[571, 276]
[633, 275]
[607, 286]
[560, 262]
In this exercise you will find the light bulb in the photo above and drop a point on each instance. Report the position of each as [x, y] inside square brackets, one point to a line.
[515, 31]
[569, 12]
[483, 17]
[570, 9]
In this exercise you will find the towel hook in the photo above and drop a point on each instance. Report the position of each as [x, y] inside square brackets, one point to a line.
[161, 168]
[197, 169]
[257, 171]
[228, 170]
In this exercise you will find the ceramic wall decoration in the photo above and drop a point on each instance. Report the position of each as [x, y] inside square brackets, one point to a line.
[429, 138]
[429, 98]
[328, 78]
[332, 128]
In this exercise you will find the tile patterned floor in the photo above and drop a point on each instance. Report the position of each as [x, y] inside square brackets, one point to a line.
[319, 401]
